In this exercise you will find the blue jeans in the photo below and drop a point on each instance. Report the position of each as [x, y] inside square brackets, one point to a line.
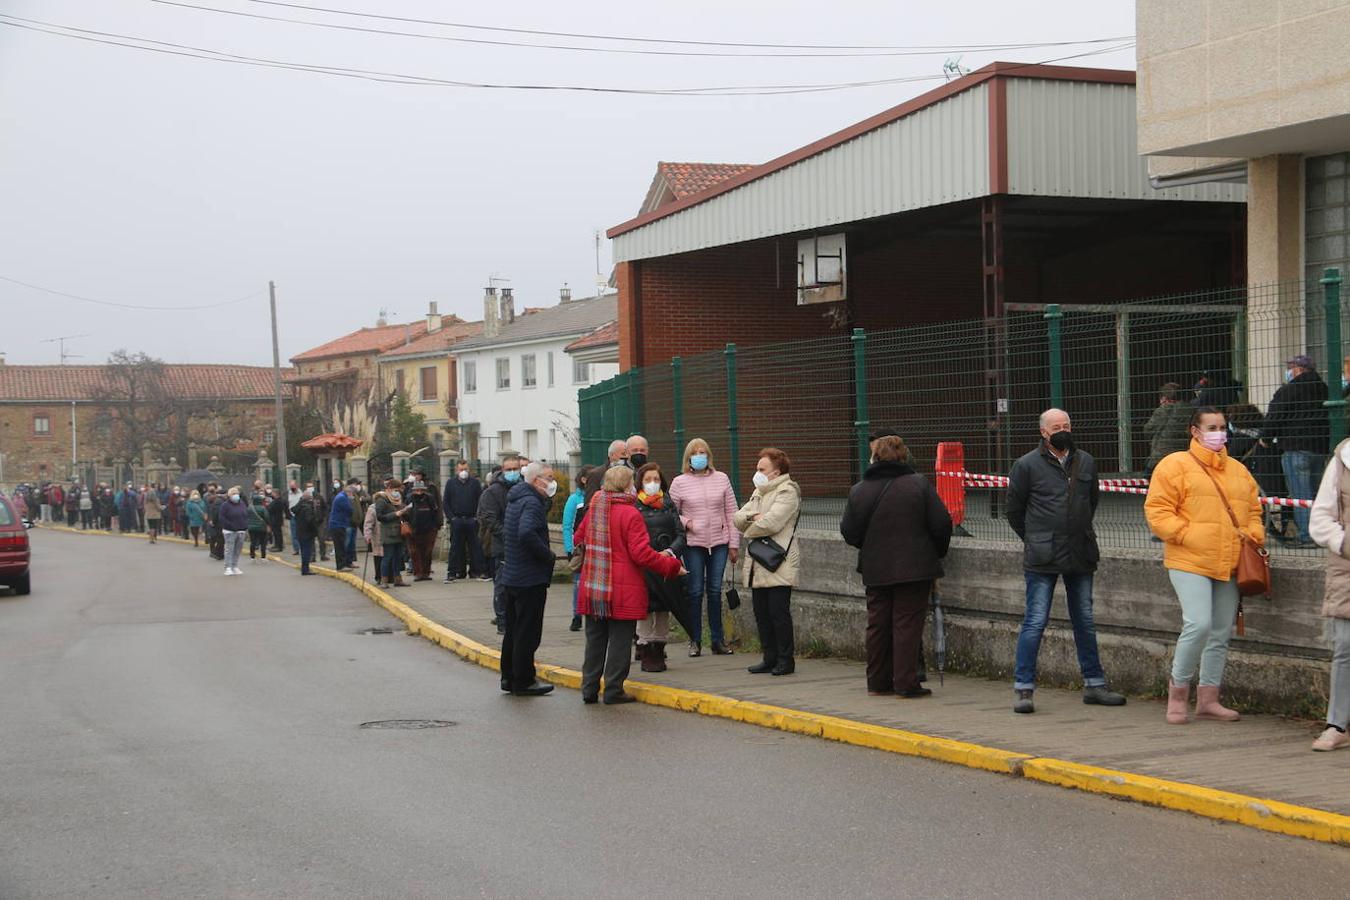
[706, 567]
[1302, 469]
[391, 565]
[306, 547]
[576, 592]
[295, 539]
[498, 591]
[351, 544]
[1040, 590]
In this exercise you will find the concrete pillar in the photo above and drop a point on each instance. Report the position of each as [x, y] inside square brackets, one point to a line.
[447, 466]
[292, 474]
[399, 459]
[360, 468]
[263, 467]
[192, 456]
[1275, 313]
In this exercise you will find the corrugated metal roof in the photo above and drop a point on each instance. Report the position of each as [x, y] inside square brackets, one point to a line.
[935, 155]
[1078, 139]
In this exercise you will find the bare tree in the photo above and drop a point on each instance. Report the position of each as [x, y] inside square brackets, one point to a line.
[131, 400]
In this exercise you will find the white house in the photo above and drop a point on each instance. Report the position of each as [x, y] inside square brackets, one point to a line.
[517, 386]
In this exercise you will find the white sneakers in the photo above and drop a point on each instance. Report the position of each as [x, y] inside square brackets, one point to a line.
[1331, 739]
[233, 571]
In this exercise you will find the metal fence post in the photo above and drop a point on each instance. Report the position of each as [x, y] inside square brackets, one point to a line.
[1331, 285]
[733, 427]
[1124, 463]
[861, 425]
[677, 401]
[1054, 320]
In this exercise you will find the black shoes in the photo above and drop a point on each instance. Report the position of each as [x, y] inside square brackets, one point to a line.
[762, 668]
[533, 689]
[576, 624]
[625, 697]
[915, 693]
[1100, 695]
[784, 667]
[721, 649]
[588, 699]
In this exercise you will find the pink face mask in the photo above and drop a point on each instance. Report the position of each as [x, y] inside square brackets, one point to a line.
[1214, 440]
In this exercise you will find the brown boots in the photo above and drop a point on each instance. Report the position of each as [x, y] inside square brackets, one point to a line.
[653, 656]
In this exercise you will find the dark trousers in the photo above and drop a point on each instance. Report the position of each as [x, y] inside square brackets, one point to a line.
[86, 518]
[391, 564]
[322, 540]
[339, 538]
[423, 544]
[773, 618]
[257, 541]
[306, 545]
[609, 650]
[524, 628]
[895, 616]
[217, 542]
[72, 515]
[464, 549]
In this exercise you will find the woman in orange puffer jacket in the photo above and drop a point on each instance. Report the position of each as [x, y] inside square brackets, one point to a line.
[1194, 498]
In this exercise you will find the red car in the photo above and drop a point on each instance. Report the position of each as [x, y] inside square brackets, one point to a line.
[13, 549]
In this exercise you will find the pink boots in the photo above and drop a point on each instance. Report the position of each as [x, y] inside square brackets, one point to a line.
[1207, 705]
[1178, 698]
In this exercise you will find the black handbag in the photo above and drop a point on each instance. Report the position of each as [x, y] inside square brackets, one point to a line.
[768, 553]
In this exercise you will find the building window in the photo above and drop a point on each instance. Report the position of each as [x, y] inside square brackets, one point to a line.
[470, 376]
[438, 441]
[504, 441]
[528, 376]
[346, 364]
[42, 426]
[550, 368]
[581, 372]
[531, 444]
[428, 377]
[503, 374]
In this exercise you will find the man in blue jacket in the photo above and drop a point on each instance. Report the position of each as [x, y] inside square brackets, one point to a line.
[339, 518]
[528, 568]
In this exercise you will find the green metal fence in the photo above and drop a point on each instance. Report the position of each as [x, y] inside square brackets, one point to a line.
[983, 384]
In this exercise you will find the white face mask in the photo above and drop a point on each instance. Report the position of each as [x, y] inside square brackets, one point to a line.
[760, 479]
[464, 475]
[651, 488]
[552, 488]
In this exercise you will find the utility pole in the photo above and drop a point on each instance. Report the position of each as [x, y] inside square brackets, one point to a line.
[74, 442]
[276, 388]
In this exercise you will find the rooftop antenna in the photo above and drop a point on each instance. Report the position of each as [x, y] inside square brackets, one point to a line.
[952, 68]
[61, 346]
[494, 280]
[601, 282]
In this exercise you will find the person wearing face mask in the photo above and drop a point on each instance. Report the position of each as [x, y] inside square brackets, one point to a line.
[1203, 504]
[196, 515]
[234, 528]
[425, 518]
[573, 509]
[293, 495]
[707, 507]
[276, 518]
[460, 502]
[305, 518]
[339, 520]
[526, 572]
[491, 521]
[389, 513]
[321, 504]
[153, 514]
[1052, 499]
[772, 512]
[1297, 425]
[1328, 524]
[637, 452]
[665, 531]
[617, 455]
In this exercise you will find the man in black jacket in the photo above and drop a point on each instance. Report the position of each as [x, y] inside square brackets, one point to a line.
[525, 575]
[491, 522]
[1297, 422]
[307, 527]
[460, 503]
[1052, 498]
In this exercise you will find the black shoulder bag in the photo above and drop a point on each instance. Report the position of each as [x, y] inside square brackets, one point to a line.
[767, 552]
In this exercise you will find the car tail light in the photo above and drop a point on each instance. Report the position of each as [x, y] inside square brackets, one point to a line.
[17, 541]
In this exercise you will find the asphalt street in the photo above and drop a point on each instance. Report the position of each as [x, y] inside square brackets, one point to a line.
[169, 732]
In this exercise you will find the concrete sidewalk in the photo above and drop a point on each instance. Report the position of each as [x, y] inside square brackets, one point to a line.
[1261, 756]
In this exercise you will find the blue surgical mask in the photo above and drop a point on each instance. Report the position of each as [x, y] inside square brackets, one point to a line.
[511, 477]
[1288, 375]
[698, 462]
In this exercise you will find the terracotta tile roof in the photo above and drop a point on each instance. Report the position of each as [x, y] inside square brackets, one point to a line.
[365, 340]
[452, 332]
[687, 179]
[321, 377]
[332, 442]
[605, 334]
[185, 380]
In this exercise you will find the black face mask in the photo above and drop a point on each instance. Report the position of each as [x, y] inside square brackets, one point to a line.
[1062, 441]
[637, 460]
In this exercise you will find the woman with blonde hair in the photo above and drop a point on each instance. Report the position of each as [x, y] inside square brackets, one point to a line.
[707, 507]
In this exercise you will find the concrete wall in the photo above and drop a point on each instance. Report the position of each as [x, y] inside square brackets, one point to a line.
[1280, 665]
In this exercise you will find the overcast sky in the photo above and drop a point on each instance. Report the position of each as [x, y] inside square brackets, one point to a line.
[151, 179]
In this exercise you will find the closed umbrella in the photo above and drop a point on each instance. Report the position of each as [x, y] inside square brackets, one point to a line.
[939, 634]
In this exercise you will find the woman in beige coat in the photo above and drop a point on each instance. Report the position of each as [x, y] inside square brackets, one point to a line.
[772, 512]
[1327, 525]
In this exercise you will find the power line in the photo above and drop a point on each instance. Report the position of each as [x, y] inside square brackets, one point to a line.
[646, 40]
[629, 50]
[46, 290]
[188, 51]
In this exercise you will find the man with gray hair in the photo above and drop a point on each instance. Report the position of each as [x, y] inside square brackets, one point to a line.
[637, 451]
[617, 455]
[1052, 498]
[526, 573]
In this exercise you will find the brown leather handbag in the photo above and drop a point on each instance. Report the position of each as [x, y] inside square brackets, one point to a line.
[1253, 568]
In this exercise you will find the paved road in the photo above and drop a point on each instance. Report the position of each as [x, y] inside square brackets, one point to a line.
[168, 732]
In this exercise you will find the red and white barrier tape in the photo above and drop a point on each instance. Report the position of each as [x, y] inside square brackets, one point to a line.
[1108, 485]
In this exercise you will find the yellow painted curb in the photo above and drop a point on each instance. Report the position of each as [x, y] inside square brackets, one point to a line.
[1266, 815]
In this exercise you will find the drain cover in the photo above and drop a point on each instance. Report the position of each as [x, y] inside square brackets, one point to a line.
[409, 724]
[376, 631]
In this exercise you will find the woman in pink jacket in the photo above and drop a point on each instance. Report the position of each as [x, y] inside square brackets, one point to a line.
[707, 504]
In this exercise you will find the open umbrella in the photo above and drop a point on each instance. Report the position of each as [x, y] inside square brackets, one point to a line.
[939, 634]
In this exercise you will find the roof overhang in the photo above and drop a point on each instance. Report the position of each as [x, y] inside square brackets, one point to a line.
[1008, 128]
[1330, 135]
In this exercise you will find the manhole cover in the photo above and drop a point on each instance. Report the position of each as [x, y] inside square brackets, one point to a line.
[408, 724]
[376, 631]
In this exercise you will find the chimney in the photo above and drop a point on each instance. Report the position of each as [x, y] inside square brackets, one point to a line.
[491, 322]
[565, 295]
[508, 307]
[433, 318]
[381, 320]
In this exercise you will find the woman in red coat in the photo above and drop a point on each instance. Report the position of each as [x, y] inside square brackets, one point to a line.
[613, 594]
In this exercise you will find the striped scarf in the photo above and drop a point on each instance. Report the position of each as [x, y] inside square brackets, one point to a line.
[598, 562]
